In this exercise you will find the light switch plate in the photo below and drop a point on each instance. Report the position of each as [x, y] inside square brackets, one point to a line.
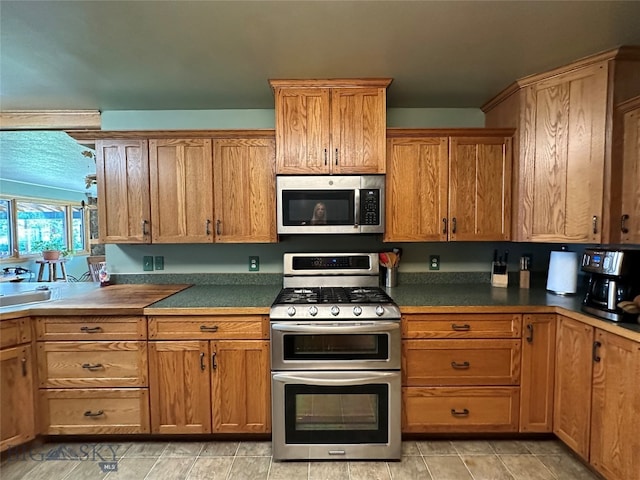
[254, 264]
[147, 263]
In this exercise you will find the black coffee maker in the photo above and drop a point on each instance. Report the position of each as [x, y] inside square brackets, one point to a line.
[614, 277]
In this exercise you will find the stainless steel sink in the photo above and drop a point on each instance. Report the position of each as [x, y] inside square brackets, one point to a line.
[31, 296]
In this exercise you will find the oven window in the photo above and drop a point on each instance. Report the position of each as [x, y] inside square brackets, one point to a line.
[318, 207]
[336, 347]
[340, 414]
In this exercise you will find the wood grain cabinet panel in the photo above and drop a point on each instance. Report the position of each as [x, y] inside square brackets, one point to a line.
[94, 411]
[15, 332]
[87, 328]
[209, 327]
[630, 203]
[474, 325]
[17, 414]
[538, 371]
[461, 362]
[330, 126]
[443, 187]
[124, 209]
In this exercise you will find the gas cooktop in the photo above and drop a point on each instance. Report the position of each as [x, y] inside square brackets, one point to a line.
[332, 295]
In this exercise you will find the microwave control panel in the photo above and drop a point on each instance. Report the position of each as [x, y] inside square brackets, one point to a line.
[370, 207]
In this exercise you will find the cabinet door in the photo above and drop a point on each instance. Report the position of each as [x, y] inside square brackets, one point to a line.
[630, 223]
[562, 177]
[240, 386]
[358, 130]
[179, 374]
[122, 170]
[538, 370]
[480, 189]
[416, 193]
[615, 418]
[302, 130]
[245, 190]
[17, 424]
[572, 398]
[181, 191]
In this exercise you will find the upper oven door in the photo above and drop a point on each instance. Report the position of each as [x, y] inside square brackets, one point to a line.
[330, 204]
[328, 345]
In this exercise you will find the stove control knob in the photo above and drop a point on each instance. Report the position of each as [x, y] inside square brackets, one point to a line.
[313, 310]
[291, 311]
[357, 310]
[379, 310]
[335, 310]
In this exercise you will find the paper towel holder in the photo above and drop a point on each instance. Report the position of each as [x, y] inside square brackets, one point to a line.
[562, 278]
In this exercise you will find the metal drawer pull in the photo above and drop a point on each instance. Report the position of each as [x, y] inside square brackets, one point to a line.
[595, 224]
[89, 413]
[460, 366]
[144, 228]
[205, 328]
[463, 413]
[444, 228]
[461, 328]
[24, 366]
[91, 329]
[623, 221]
[202, 366]
[214, 365]
[530, 329]
[594, 353]
[89, 366]
[207, 227]
[455, 225]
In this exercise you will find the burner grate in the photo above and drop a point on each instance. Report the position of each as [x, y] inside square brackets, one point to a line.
[333, 295]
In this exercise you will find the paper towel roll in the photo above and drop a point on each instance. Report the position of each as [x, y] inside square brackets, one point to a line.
[563, 273]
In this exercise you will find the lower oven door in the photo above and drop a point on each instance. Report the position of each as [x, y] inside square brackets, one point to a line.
[336, 415]
[327, 345]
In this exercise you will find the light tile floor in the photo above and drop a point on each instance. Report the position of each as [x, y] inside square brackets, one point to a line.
[433, 459]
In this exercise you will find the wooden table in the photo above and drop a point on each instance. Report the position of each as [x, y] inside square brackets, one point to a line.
[52, 270]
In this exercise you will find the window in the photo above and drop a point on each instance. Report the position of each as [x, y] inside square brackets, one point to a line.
[38, 221]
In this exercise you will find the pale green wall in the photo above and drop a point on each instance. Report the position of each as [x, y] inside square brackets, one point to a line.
[10, 187]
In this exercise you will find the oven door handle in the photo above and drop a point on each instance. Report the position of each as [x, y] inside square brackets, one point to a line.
[332, 382]
[343, 327]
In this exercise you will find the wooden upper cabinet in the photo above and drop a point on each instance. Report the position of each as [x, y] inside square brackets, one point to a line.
[245, 190]
[124, 210]
[630, 204]
[181, 190]
[480, 188]
[330, 126]
[455, 188]
[416, 189]
[567, 178]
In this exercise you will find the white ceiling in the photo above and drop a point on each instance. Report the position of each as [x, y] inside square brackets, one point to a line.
[164, 55]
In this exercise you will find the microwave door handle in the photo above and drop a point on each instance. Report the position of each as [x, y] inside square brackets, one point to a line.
[356, 206]
[341, 328]
[330, 382]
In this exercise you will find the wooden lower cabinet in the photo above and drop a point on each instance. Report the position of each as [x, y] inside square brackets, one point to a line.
[17, 424]
[538, 370]
[220, 386]
[615, 408]
[460, 409]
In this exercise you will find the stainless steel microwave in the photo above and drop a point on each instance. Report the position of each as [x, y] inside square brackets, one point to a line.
[330, 204]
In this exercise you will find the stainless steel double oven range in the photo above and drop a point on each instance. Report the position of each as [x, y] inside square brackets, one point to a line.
[335, 361]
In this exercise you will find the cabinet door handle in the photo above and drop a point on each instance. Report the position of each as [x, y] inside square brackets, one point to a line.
[91, 367]
[145, 232]
[460, 328]
[207, 227]
[206, 328]
[91, 329]
[202, 365]
[454, 226]
[218, 228]
[214, 365]
[623, 221]
[460, 366]
[336, 156]
[463, 413]
[24, 366]
[89, 413]
[325, 156]
[444, 226]
[530, 330]
[594, 353]
[595, 224]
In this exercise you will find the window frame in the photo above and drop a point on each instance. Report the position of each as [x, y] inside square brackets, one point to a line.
[68, 207]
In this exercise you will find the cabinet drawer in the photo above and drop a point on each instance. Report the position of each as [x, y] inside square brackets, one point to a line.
[474, 325]
[463, 409]
[14, 332]
[239, 327]
[91, 328]
[94, 411]
[92, 364]
[460, 362]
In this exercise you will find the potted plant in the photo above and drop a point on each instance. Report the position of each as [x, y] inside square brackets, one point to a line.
[51, 249]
